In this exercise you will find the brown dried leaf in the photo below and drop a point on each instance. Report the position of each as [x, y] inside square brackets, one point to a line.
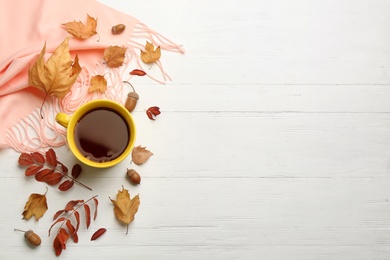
[98, 83]
[140, 155]
[96, 202]
[72, 231]
[80, 30]
[87, 212]
[39, 158]
[51, 158]
[150, 54]
[33, 169]
[76, 171]
[35, 206]
[53, 178]
[124, 207]
[114, 56]
[71, 204]
[41, 175]
[58, 74]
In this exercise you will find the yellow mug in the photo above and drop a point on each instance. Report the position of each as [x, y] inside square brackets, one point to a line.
[100, 133]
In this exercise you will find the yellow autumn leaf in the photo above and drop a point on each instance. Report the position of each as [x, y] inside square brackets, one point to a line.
[150, 54]
[58, 74]
[98, 83]
[35, 206]
[114, 56]
[80, 30]
[124, 207]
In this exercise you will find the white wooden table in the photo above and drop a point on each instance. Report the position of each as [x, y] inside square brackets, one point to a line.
[273, 142]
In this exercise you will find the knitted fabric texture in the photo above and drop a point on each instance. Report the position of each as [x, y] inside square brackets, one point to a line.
[26, 27]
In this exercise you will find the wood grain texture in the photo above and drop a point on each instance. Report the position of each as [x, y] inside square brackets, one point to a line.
[273, 142]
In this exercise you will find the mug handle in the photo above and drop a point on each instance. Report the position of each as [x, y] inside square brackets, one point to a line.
[63, 119]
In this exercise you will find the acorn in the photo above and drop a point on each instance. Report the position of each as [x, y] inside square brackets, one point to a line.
[31, 237]
[118, 29]
[132, 99]
[133, 176]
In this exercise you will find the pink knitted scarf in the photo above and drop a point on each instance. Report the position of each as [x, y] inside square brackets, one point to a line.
[25, 27]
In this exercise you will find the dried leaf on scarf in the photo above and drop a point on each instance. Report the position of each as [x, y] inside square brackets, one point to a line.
[150, 54]
[124, 207]
[35, 206]
[98, 83]
[80, 30]
[58, 74]
[140, 155]
[114, 56]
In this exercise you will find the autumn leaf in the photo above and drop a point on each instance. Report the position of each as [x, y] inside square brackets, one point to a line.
[98, 83]
[58, 74]
[140, 155]
[124, 207]
[150, 54]
[137, 72]
[152, 112]
[35, 206]
[98, 233]
[114, 56]
[80, 30]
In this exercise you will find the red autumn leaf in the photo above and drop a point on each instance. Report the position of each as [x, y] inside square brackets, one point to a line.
[72, 231]
[39, 158]
[87, 211]
[33, 169]
[98, 233]
[96, 208]
[59, 243]
[63, 168]
[51, 158]
[77, 217]
[57, 221]
[53, 178]
[76, 171]
[66, 185]
[58, 213]
[26, 159]
[70, 205]
[40, 176]
[137, 72]
[152, 112]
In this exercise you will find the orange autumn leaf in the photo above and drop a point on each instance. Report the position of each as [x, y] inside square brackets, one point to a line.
[140, 155]
[98, 83]
[80, 30]
[35, 206]
[114, 56]
[58, 74]
[150, 54]
[124, 207]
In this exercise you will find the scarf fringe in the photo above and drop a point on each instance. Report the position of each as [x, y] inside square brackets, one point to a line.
[34, 133]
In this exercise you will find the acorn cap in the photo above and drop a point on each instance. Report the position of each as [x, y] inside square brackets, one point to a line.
[133, 95]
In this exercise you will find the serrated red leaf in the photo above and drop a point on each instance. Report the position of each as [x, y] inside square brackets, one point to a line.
[76, 171]
[40, 176]
[152, 112]
[87, 210]
[138, 72]
[33, 169]
[25, 159]
[53, 178]
[98, 233]
[96, 208]
[70, 205]
[66, 185]
[58, 220]
[72, 231]
[51, 158]
[38, 157]
[77, 217]
[58, 213]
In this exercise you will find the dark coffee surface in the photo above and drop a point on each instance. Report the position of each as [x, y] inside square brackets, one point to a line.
[101, 135]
